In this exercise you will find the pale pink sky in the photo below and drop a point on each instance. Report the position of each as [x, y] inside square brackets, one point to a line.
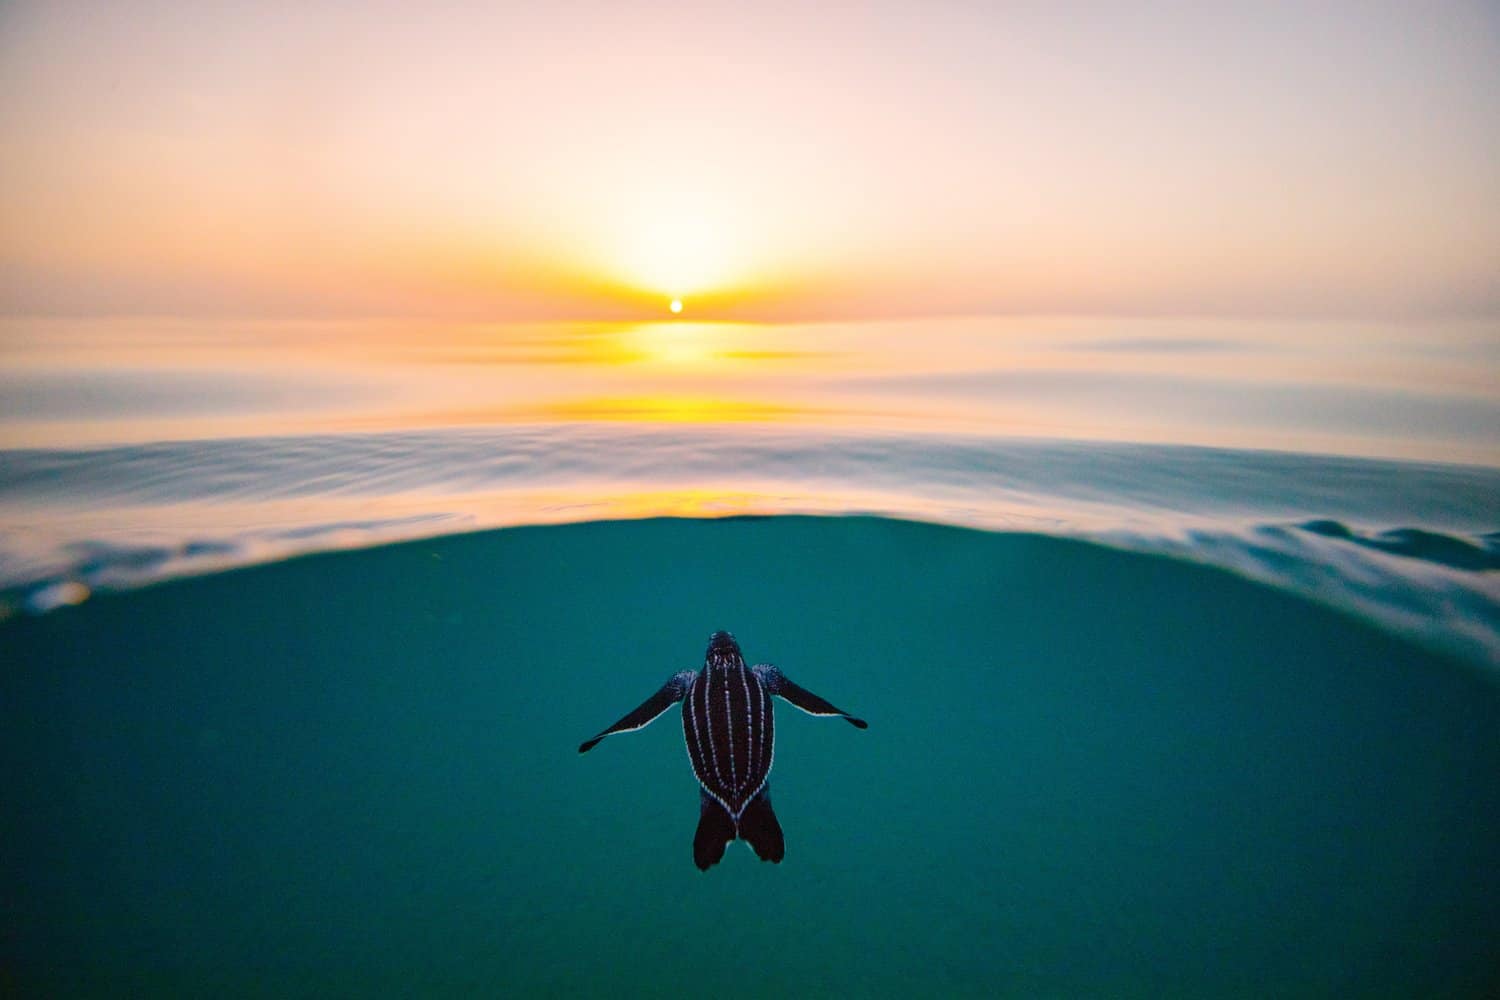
[593, 160]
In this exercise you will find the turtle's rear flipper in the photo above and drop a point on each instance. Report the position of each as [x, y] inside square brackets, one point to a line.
[758, 825]
[715, 831]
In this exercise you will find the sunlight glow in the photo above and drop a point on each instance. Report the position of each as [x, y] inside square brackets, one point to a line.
[679, 243]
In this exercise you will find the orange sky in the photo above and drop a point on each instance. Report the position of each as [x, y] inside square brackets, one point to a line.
[593, 161]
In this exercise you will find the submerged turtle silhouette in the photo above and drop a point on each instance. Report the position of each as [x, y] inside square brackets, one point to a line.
[731, 738]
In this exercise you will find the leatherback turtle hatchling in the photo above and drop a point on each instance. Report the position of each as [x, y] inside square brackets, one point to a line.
[731, 740]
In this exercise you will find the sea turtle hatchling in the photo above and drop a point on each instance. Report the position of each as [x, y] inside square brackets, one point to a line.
[728, 724]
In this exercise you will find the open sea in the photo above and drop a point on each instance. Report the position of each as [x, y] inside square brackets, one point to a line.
[1179, 641]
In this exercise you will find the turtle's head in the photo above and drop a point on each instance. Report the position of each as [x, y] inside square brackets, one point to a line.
[723, 650]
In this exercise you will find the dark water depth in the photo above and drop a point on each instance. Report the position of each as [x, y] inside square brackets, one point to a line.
[1087, 773]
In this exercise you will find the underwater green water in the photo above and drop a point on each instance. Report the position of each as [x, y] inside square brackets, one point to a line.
[1087, 773]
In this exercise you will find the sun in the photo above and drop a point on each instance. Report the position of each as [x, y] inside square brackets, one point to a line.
[676, 306]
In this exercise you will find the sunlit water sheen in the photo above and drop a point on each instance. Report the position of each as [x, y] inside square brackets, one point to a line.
[1381, 390]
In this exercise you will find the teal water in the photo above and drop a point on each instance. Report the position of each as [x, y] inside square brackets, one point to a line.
[1088, 772]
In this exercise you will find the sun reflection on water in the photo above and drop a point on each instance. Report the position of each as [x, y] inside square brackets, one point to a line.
[673, 410]
[676, 343]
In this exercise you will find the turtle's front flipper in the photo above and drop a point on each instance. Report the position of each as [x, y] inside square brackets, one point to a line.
[715, 831]
[670, 694]
[759, 827]
[776, 682]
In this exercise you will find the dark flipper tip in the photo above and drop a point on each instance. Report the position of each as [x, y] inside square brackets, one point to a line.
[759, 826]
[715, 831]
[588, 745]
[857, 723]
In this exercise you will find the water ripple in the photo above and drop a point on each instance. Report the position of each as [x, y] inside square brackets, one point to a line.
[1411, 545]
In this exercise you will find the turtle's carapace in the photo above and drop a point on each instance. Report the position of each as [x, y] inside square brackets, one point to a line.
[729, 727]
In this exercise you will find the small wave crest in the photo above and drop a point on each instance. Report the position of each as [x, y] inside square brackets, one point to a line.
[1423, 591]
[1482, 553]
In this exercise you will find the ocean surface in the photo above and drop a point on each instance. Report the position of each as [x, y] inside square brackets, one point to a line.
[1178, 640]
